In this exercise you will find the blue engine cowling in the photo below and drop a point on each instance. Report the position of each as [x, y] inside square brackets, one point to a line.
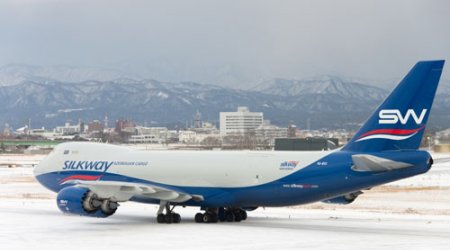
[80, 201]
[344, 199]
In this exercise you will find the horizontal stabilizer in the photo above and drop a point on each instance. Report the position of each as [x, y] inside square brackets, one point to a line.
[370, 163]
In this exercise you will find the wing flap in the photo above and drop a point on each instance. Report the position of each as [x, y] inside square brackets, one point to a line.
[123, 191]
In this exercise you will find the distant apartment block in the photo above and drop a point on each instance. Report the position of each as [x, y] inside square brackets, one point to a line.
[241, 122]
[144, 139]
[267, 132]
[124, 126]
[187, 136]
[95, 127]
[68, 129]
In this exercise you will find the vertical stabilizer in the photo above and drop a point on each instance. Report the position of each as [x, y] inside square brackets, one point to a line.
[399, 122]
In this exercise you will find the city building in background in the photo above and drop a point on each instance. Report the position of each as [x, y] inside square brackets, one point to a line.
[68, 129]
[266, 133]
[241, 122]
[95, 127]
[124, 126]
[241, 129]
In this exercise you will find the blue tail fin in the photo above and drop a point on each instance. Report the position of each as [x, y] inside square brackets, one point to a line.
[399, 122]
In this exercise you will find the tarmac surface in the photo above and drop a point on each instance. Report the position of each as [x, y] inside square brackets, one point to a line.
[410, 214]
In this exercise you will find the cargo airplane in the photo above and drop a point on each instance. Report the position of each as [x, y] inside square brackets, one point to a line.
[91, 179]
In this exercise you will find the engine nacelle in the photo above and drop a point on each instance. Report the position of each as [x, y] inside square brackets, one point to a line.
[82, 201]
[344, 199]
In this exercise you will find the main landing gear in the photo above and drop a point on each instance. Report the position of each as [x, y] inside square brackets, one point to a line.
[213, 215]
[169, 216]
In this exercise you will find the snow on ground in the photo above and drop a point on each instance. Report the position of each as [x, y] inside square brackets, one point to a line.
[408, 214]
[37, 224]
[438, 176]
[19, 159]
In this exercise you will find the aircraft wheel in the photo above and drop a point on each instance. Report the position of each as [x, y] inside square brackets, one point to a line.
[243, 214]
[213, 218]
[160, 218]
[206, 218]
[176, 218]
[198, 218]
[168, 218]
[229, 216]
[237, 216]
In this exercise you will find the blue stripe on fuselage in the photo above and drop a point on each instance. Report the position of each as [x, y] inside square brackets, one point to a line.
[313, 183]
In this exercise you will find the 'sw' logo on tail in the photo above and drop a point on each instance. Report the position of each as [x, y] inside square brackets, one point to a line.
[393, 116]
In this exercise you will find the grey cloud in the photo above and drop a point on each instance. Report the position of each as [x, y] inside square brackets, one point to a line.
[244, 41]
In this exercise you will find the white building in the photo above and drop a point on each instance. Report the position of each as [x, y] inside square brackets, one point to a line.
[267, 132]
[187, 136]
[68, 129]
[443, 133]
[149, 135]
[144, 139]
[43, 133]
[158, 132]
[240, 122]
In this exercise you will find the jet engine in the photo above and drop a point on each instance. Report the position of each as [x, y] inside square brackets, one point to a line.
[82, 201]
[344, 199]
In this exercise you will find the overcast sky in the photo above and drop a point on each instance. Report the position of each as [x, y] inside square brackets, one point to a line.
[198, 40]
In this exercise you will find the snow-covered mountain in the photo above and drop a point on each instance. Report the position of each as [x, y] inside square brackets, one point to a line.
[322, 85]
[142, 101]
[12, 74]
[323, 102]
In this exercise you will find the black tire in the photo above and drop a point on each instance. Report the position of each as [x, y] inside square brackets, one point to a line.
[243, 214]
[213, 218]
[176, 218]
[237, 216]
[229, 216]
[198, 218]
[168, 218]
[206, 218]
[160, 218]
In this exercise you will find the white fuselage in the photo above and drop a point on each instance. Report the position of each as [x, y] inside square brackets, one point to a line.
[181, 168]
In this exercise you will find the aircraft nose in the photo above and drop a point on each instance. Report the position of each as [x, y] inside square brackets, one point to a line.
[41, 174]
[36, 169]
[41, 167]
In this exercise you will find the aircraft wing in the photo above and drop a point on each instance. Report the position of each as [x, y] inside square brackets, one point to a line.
[370, 163]
[123, 191]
